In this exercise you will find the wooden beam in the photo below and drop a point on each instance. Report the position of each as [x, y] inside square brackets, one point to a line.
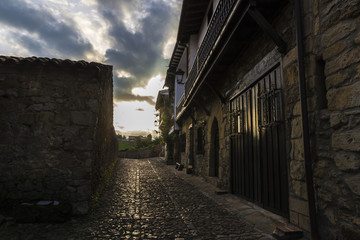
[266, 26]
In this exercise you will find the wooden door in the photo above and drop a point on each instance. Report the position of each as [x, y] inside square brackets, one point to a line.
[258, 160]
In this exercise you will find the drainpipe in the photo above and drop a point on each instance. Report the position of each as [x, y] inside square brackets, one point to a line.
[305, 125]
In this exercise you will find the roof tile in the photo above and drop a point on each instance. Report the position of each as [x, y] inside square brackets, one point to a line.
[47, 61]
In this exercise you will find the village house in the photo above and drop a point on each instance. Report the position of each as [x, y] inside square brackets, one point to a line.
[267, 106]
[57, 138]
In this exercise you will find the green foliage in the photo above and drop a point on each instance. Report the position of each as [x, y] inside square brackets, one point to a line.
[166, 112]
[120, 137]
[165, 119]
[149, 137]
[126, 145]
[138, 144]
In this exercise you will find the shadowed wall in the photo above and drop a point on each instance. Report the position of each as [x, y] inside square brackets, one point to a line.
[56, 129]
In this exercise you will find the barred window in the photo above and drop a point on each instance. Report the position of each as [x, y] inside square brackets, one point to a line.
[261, 103]
[237, 116]
[270, 100]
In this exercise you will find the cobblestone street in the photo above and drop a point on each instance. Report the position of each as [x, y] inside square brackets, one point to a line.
[145, 201]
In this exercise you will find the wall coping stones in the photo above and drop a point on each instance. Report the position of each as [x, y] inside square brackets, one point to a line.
[11, 60]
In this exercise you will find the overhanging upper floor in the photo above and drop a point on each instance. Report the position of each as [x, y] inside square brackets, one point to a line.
[233, 26]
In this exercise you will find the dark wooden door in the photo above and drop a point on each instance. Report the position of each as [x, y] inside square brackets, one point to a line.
[191, 146]
[214, 150]
[258, 160]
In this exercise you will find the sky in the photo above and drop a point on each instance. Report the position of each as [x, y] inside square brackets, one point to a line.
[137, 37]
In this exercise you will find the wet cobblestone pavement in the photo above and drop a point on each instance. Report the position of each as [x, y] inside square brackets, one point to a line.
[145, 201]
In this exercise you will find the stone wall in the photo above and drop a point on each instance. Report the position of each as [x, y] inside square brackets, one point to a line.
[57, 135]
[215, 110]
[333, 49]
[332, 71]
[240, 73]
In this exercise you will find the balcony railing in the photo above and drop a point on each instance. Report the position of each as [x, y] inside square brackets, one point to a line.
[217, 22]
[180, 105]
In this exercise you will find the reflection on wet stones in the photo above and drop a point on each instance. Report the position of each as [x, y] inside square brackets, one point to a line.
[145, 201]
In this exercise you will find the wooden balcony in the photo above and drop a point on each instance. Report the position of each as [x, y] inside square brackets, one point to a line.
[180, 106]
[215, 27]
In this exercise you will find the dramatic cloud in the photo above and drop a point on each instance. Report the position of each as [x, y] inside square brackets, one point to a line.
[39, 29]
[141, 30]
[123, 91]
[135, 36]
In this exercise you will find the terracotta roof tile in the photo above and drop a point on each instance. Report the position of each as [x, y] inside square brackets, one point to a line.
[47, 61]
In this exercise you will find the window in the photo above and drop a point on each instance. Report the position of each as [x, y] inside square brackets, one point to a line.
[270, 99]
[237, 116]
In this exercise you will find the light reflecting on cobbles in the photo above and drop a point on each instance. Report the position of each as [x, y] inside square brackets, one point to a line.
[144, 201]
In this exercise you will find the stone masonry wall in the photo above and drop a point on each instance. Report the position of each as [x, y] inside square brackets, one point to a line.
[215, 110]
[56, 131]
[332, 74]
[332, 71]
[333, 48]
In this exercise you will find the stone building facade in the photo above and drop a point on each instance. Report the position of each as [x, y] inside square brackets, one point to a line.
[244, 107]
[57, 136]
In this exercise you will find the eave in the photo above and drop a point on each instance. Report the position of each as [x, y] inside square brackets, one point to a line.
[235, 36]
[192, 15]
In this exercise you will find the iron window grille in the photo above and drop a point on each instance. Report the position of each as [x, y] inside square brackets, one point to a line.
[270, 111]
[237, 123]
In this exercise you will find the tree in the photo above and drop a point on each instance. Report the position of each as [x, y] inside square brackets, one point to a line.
[165, 115]
[149, 137]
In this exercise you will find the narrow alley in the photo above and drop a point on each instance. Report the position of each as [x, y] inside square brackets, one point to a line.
[145, 201]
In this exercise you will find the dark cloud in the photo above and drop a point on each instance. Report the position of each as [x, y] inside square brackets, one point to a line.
[57, 34]
[122, 91]
[29, 43]
[140, 109]
[139, 53]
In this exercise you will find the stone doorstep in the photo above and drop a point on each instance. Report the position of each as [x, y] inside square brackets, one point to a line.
[219, 191]
[287, 233]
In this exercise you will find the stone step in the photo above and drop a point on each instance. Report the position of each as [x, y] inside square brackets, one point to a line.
[220, 191]
[287, 233]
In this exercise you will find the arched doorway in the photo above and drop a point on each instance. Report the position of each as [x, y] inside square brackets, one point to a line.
[214, 150]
